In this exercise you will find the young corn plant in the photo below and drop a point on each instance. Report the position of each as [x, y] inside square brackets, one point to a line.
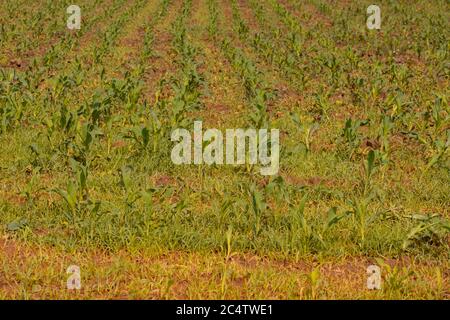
[213, 17]
[439, 113]
[131, 194]
[361, 217]
[257, 90]
[140, 135]
[147, 50]
[312, 236]
[12, 101]
[86, 136]
[314, 281]
[188, 85]
[259, 207]
[394, 279]
[306, 130]
[351, 136]
[300, 229]
[384, 134]
[439, 153]
[430, 229]
[76, 194]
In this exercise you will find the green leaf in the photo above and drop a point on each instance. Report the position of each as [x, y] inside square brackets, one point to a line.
[333, 217]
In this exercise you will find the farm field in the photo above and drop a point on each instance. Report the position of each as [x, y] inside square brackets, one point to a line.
[86, 170]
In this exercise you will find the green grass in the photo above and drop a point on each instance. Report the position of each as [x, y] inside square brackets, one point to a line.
[364, 165]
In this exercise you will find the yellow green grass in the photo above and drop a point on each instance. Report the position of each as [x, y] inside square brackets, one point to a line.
[86, 176]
